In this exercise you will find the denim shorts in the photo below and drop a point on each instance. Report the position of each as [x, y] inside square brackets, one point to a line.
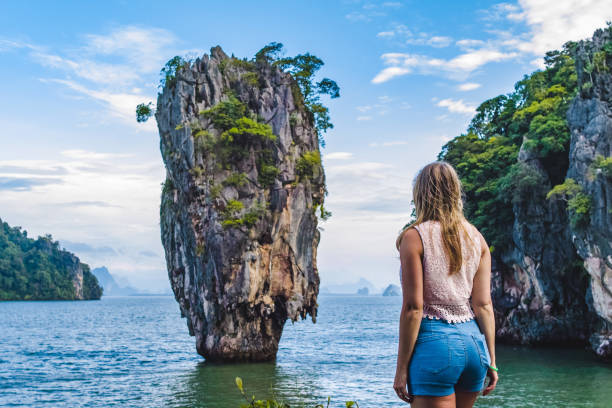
[448, 357]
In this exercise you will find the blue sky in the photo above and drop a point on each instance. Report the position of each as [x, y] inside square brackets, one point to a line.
[74, 162]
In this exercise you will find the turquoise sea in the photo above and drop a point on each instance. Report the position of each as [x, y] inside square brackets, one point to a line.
[135, 352]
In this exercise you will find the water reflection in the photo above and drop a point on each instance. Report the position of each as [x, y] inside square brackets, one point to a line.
[213, 385]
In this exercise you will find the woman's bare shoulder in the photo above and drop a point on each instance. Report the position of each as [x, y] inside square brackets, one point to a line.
[411, 240]
[480, 237]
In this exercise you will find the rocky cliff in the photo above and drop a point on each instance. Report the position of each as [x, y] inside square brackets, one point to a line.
[590, 122]
[238, 221]
[555, 283]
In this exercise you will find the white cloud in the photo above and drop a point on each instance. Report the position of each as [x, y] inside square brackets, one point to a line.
[554, 22]
[468, 86]
[337, 156]
[120, 105]
[113, 198]
[405, 36]
[456, 106]
[381, 107]
[458, 67]
[113, 68]
[469, 43]
[389, 73]
[538, 26]
[384, 34]
[372, 201]
[469, 61]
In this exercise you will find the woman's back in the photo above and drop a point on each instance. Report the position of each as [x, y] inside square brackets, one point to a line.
[446, 296]
[447, 323]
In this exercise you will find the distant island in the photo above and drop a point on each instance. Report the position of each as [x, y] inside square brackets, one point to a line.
[351, 287]
[363, 291]
[110, 285]
[392, 290]
[37, 269]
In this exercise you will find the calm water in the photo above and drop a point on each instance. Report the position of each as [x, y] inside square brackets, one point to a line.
[135, 352]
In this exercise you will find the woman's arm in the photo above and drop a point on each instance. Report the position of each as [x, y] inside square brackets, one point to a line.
[483, 308]
[411, 250]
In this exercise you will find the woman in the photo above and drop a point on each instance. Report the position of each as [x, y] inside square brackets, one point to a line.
[446, 347]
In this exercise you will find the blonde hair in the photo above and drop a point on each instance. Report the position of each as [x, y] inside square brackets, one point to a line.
[438, 195]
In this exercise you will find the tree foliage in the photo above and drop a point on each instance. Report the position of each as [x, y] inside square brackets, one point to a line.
[486, 156]
[143, 112]
[38, 269]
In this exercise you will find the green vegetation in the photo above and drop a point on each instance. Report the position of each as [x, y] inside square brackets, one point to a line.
[236, 180]
[231, 215]
[306, 92]
[578, 203]
[602, 163]
[144, 112]
[225, 114]
[308, 163]
[274, 403]
[486, 156]
[240, 132]
[303, 68]
[169, 71]
[323, 213]
[37, 269]
[215, 190]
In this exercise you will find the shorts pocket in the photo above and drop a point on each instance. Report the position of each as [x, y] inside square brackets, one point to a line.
[432, 353]
[483, 352]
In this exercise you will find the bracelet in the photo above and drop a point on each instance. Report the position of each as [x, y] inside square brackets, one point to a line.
[493, 368]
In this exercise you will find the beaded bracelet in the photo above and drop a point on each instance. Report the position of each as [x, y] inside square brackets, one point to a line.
[493, 368]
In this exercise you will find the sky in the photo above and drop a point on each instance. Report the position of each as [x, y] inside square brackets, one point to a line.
[74, 162]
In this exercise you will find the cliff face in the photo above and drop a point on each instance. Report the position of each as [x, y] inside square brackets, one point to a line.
[555, 285]
[541, 291]
[238, 221]
[590, 121]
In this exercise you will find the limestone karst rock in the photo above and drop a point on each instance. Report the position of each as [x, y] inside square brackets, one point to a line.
[590, 121]
[541, 292]
[238, 212]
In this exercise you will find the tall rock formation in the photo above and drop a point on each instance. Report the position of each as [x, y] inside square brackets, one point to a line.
[555, 284]
[590, 122]
[238, 221]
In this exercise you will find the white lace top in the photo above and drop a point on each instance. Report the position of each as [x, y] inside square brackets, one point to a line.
[447, 296]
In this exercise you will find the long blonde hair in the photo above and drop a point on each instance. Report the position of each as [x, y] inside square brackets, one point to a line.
[438, 195]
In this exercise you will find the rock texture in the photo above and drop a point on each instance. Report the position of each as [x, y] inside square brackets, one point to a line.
[541, 296]
[240, 246]
[590, 121]
[555, 285]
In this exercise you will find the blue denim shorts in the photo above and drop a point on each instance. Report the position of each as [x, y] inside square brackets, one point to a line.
[448, 357]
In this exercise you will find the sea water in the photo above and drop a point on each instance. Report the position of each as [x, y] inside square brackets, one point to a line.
[136, 352]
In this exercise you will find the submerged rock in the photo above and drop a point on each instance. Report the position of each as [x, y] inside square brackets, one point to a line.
[238, 222]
